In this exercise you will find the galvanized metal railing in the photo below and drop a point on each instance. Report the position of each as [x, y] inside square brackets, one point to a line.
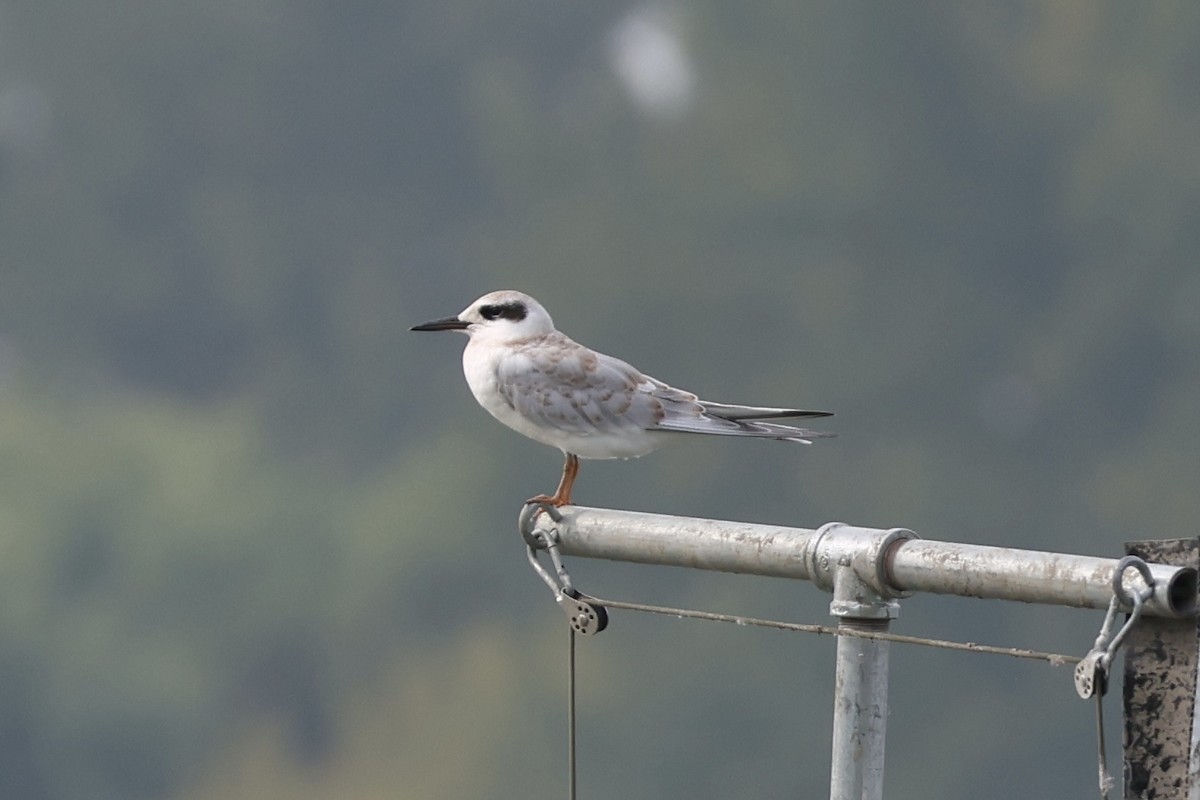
[868, 571]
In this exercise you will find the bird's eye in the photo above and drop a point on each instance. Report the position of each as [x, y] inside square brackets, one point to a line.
[514, 312]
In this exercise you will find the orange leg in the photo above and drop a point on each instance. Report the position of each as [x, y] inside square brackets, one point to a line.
[562, 495]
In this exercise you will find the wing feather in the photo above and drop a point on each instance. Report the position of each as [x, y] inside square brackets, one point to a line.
[576, 390]
[557, 383]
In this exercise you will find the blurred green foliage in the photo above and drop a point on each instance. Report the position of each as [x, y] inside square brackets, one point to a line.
[258, 541]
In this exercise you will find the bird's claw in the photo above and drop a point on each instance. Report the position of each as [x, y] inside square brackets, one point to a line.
[547, 500]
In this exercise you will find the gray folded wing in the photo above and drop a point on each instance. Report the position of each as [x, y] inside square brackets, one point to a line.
[560, 384]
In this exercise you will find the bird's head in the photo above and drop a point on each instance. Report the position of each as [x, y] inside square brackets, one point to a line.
[505, 316]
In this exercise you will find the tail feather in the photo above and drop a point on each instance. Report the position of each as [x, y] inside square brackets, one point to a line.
[735, 413]
[720, 426]
[784, 433]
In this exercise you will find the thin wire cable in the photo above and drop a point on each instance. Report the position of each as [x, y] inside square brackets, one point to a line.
[1054, 659]
[571, 715]
[1106, 780]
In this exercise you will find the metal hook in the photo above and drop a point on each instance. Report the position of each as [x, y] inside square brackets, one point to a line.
[1118, 580]
[1091, 674]
[527, 521]
[585, 618]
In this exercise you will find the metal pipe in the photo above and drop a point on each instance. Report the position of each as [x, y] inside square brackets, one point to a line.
[1031, 576]
[681, 541]
[859, 713]
[860, 685]
[906, 565]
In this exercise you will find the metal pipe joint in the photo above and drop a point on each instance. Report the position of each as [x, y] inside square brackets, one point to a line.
[852, 563]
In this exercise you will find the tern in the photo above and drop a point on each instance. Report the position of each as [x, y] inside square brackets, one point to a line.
[542, 384]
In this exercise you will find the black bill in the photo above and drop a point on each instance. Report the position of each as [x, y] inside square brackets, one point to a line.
[447, 324]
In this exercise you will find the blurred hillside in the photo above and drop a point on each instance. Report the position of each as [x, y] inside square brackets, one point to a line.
[258, 539]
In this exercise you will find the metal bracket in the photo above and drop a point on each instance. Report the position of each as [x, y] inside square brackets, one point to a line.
[585, 618]
[1091, 674]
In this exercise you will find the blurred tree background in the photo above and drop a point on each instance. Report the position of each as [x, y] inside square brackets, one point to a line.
[258, 541]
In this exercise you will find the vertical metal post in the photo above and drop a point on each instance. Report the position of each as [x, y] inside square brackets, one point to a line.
[860, 689]
[1161, 748]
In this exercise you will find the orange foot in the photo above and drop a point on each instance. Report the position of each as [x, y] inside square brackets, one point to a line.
[562, 495]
